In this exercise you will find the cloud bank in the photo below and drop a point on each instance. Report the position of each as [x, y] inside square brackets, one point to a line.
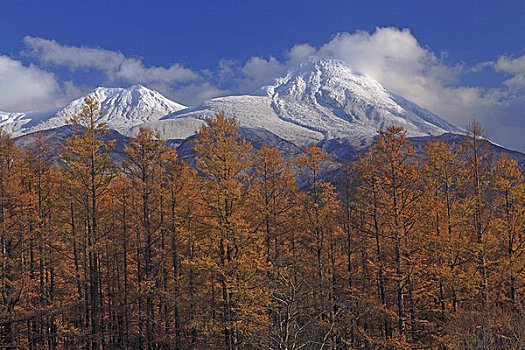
[24, 88]
[115, 65]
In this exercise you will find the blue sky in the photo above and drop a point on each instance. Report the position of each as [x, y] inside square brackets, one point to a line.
[460, 59]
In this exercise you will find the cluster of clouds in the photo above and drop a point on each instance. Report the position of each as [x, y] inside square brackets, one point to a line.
[27, 87]
[114, 65]
[391, 55]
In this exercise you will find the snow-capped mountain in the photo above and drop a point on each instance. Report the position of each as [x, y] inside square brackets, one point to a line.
[122, 110]
[317, 101]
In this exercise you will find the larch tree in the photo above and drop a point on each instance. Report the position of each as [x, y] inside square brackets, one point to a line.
[40, 184]
[88, 172]
[509, 187]
[393, 190]
[234, 254]
[178, 241]
[322, 241]
[273, 205]
[479, 226]
[145, 166]
[14, 272]
[369, 227]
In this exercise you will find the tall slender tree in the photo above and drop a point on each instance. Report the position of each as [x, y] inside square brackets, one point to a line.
[234, 254]
[145, 167]
[88, 172]
[393, 187]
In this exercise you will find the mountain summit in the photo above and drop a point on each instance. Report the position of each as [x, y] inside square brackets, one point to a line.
[317, 101]
[122, 109]
[332, 97]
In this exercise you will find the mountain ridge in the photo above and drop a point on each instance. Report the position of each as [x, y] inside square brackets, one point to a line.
[319, 101]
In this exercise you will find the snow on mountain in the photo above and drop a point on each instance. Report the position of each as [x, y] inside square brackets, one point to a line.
[251, 111]
[318, 100]
[330, 96]
[122, 110]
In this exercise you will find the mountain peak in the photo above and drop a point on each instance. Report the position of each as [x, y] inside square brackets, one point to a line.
[138, 87]
[102, 92]
[332, 96]
[327, 80]
[330, 66]
[122, 110]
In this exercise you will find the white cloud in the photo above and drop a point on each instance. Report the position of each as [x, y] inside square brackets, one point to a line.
[24, 88]
[115, 65]
[50, 51]
[258, 72]
[194, 94]
[516, 82]
[510, 65]
[514, 67]
[384, 54]
[299, 53]
[133, 70]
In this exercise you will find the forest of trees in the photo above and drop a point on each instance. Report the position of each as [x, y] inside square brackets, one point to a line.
[251, 249]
